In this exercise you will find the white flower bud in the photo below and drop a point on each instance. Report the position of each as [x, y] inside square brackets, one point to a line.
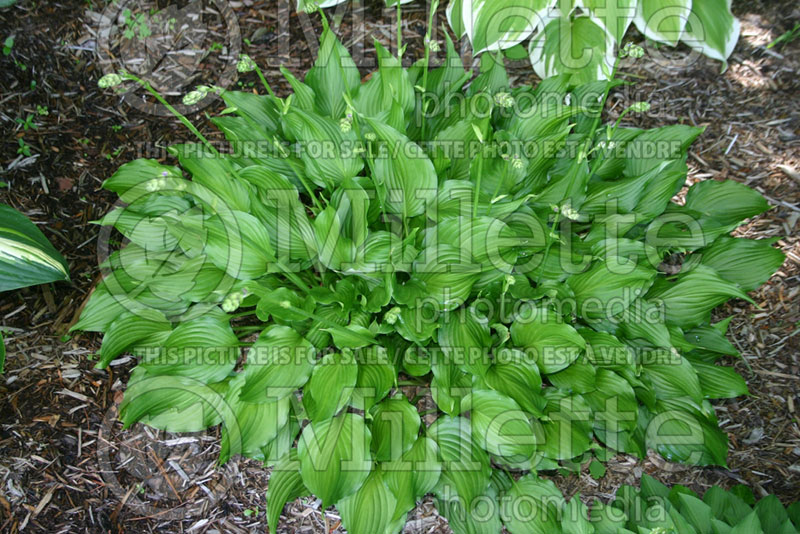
[504, 100]
[392, 315]
[193, 97]
[109, 80]
[641, 107]
[245, 64]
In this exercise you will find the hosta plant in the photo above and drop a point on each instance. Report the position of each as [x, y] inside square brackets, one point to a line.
[418, 283]
[651, 509]
[581, 37]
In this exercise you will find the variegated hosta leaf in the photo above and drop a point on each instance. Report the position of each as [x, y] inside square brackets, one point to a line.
[663, 20]
[579, 46]
[712, 29]
[26, 256]
[500, 24]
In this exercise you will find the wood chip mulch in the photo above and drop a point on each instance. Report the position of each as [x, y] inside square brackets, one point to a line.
[66, 464]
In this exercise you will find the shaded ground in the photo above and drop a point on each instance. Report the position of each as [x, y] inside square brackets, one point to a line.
[65, 466]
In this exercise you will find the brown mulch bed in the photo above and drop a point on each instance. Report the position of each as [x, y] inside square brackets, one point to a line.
[67, 466]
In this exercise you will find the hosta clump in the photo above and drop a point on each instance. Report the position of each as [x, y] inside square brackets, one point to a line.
[651, 509]
[365, 250]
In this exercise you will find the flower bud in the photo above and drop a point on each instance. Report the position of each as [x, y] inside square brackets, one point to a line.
[193, 97]
[245, 64]
[504, 100]
[109, 80]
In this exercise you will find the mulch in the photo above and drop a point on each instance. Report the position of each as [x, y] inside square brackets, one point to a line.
[66, 465]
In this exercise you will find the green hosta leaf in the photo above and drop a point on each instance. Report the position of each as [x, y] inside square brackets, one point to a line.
[794, 513]
[303, 96]
[576, 45]
[609, 287]
[449, 385]
[578, 377]
[451, 76]
[464, 338]
[746, 262]
[369, 510]
[645, 320]
[204, 348]
[102, 309]
[174, 404]
[492, 78]
[553, 343]
[533, 506]
[719, 382]
[403, 171]
[772, 515]
[255, 425]
[516, 375]
[614, 406]
[465, 466]
[260, 111]
[501, 427]
[689, 300]
[334, 457]
[128, 330]
[278, 363]
[214, 174]
[500, 24]
[749, 525]
[331, 386]
[575, 519]
[395, 425]
[327, 152]
[376, 376]
[484, 240]
[683, 434]
[568, 433]
[726, 506]
[608, 519]
[414, 474]
[26, 256]
[672, 375]
[479, 516]
[131, 179]
[440, 278]
[285, 484]
[697, 512]
[283, 443]
[605, 350]
[351, 336]
[334, 74]
[281, 303]
[653, 148]
[663, 20]
[388, 84]
[235, 242]
[712, 29]
[728, 202]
